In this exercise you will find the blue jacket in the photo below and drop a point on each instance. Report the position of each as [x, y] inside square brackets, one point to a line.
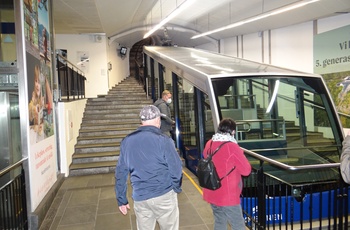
[153, 163]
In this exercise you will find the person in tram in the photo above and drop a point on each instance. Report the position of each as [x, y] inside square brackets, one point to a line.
[155, 171]
[225, 201]
[163, 105]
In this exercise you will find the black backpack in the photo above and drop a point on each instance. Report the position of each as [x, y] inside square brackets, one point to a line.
[206, 172]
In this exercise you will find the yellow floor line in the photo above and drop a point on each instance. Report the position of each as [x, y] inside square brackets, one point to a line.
[193, 182]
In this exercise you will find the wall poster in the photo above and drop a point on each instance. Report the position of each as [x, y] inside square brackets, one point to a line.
[42, 152]
[332, 61]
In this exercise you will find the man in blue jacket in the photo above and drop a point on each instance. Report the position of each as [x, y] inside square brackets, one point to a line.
[155, 172]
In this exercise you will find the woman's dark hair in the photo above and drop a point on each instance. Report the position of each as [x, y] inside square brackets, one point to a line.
[227, 125]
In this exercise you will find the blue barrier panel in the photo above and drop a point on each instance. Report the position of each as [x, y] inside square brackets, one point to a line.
[288, 209]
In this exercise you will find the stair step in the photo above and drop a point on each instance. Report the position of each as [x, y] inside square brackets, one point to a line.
[102, 122]
[106, 129]
[126, 92]
[96, 154]
[92, 168]
[320, 141]
[108, 126]
[113, 106]
[81, 158]
[297, 134]
[102, 132]
[116, 144]
[99, 141]
[131, 122]
[111, 116]
[94, 165]
[117, 101]
[101, 137]
[121, 97]
[113, 111]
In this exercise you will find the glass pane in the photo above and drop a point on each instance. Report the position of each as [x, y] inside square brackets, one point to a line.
[168, 85]
[187, 114]
[208, 120]
[10, 136]
[285, 119]
[7, 33]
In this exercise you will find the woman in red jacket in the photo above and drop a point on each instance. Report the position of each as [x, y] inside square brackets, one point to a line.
[225, 201]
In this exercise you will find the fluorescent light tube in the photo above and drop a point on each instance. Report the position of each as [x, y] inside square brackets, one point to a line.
[258, 17]
[172, 15]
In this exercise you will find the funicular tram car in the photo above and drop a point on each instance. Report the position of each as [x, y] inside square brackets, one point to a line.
[286, 124]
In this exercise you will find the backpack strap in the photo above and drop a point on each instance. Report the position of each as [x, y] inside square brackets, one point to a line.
[234, 167]
[215, 151]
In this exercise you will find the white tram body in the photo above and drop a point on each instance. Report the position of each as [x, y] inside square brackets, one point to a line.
[285, 115]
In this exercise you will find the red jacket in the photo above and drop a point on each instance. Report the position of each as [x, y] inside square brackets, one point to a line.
[225, 159]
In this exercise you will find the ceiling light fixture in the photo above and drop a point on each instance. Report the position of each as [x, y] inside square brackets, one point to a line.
[172, 15]
[258, 17]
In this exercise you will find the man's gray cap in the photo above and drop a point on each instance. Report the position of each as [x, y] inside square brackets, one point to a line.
[149, 112]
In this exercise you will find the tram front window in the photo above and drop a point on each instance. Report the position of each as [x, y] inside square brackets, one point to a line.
[284, 118]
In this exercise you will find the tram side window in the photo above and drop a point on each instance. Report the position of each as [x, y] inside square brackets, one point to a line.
[208, 119]
[187, 114]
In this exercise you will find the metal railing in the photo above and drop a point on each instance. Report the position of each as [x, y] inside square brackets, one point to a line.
[270, 202]
[71, 80]
[13, 202]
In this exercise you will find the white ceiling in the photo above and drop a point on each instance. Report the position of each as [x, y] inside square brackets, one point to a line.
[126, 21]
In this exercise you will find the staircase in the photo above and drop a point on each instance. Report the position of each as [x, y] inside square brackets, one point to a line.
[107, 120]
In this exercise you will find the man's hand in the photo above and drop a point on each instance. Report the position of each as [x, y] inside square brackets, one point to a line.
[124, 209]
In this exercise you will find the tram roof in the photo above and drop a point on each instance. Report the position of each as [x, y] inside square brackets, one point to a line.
[198, 66]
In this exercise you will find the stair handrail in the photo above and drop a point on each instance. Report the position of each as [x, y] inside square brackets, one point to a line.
[75, 87]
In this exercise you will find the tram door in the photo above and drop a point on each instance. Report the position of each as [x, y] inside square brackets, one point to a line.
[195, 123]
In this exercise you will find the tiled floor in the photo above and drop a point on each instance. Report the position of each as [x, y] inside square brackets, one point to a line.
[88, 202]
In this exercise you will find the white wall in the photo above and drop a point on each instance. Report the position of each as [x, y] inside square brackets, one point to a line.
[290, 47]
[252, 47]
[96, 71]
[231, 47]
[332, 23]
[209, 46]
[120, 65]
[69, 130]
